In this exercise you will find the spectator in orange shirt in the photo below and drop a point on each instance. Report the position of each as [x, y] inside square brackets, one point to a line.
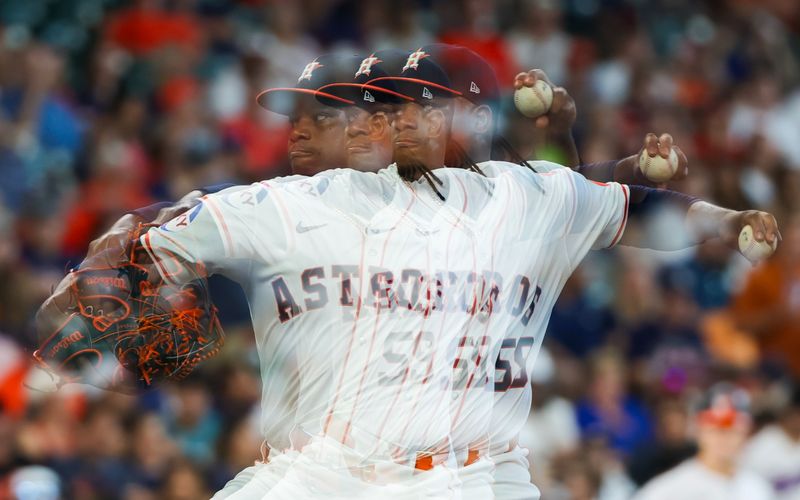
[476, 30]
[769, 304]
[147, 26]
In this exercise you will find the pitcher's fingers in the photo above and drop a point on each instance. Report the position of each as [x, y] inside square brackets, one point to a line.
[519, 81]
[771, 228]
[683, 164]
[665, 145]
[541, 75]
[543, 121]
[560, 99]
[651, 144]
[529, 80]
[759, 229]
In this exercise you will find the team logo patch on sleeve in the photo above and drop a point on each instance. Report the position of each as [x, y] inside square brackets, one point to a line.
[182, 221]
[246, 198]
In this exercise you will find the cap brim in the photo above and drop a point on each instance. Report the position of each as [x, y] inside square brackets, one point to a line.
[271, 98]
[331, 88]
[417, 81]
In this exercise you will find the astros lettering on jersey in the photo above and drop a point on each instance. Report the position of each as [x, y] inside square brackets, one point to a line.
[409, 323]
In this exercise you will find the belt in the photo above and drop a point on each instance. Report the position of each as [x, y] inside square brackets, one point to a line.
[472, 456]
[427, 461]
[422, 460]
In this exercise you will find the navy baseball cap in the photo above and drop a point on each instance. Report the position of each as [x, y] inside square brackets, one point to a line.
[469, 74]
[320, 72]
[417, 76]
[351, 84]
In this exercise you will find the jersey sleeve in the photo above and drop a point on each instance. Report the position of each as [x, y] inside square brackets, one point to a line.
[597, 211]
[224, 234]
[544, 167]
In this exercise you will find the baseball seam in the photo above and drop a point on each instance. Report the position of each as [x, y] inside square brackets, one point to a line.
[750, 246]
[753, 246]
[673, 165]
[539, 96]
[537, 93]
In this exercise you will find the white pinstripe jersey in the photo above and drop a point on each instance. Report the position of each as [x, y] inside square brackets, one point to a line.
[556, 225]
[371, 290]
[341, 273]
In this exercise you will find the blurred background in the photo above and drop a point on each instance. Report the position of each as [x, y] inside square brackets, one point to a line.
[107, 105]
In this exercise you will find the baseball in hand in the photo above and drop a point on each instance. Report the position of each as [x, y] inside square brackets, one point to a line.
[657, 168]
[534, 101]
[753, 250]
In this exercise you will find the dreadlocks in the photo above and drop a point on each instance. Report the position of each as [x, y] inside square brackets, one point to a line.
[500, 143]
[413, 171]
[463, 160]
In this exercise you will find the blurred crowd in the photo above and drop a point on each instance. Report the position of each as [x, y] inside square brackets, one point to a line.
[106, 106]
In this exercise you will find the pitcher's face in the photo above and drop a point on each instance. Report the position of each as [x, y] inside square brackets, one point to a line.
[317, 140]
[369, 136]
[412, 132]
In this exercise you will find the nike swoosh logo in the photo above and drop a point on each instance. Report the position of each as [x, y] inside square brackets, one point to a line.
[304, 229]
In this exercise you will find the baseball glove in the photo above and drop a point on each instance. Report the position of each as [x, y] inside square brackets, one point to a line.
[156, 331]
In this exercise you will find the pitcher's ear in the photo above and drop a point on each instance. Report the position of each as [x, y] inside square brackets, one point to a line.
[438, 122]
[379, 125]
[482, 119]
